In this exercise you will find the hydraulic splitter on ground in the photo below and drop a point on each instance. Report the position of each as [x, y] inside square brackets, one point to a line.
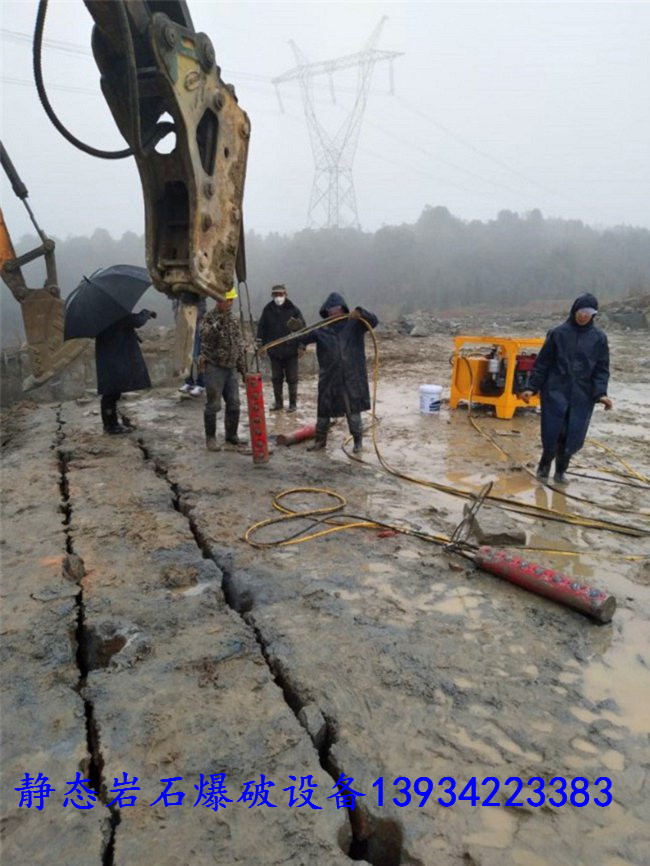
[256, 418]
[495, 370]
[548, 582]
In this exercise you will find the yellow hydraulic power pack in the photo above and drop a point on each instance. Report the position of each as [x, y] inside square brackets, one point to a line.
[493, 370]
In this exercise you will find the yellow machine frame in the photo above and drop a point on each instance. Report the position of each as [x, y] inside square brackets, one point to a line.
[468, 372]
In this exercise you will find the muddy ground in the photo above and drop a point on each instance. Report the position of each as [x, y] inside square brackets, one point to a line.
[142, 635]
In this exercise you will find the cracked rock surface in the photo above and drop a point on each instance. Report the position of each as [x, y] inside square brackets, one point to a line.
[142, 635]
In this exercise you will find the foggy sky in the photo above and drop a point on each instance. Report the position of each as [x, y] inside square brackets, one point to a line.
[496, 105]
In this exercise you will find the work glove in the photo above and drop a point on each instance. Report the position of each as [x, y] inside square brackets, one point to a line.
[295, 324]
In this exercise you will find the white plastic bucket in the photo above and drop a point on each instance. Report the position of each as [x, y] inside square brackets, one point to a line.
[430, 396]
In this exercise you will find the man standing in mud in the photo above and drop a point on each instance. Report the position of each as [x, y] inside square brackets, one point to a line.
[279, 318]
[571, 375]
[222, 358]
[342, 375]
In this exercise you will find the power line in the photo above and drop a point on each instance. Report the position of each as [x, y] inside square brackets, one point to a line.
[28, 82]
[477, 150]
[446, 162]
[74, 48]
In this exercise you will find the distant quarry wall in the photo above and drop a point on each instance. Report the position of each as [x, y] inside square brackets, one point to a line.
[78, 378]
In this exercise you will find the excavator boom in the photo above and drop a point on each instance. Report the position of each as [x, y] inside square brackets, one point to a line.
[159, 78]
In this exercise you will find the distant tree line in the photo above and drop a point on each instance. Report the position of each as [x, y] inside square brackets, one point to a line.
[437, 263]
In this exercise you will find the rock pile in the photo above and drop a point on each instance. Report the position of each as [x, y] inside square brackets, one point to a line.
[628, 313]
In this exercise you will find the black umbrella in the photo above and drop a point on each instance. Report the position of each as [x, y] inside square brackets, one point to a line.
[102, 299]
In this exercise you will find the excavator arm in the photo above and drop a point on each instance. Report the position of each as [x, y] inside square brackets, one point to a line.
[42, 309]
[159, 77]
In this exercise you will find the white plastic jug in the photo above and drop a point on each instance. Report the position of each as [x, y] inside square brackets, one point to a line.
[430, 396]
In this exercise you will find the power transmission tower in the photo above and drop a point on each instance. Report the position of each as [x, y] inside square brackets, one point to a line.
[333, 202]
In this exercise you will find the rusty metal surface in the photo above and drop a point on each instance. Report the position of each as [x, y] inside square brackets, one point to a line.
[43, 316]
[193, 195]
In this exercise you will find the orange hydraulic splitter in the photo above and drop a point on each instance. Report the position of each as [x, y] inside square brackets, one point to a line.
[493, 370]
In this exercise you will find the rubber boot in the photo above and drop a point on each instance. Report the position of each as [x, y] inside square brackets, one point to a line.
[210, 425]
[356, 428]
[320, 441]
[232, 423]
[544, 466]
[293, 396]
[561, 466]
[111, 423]
[277, 393]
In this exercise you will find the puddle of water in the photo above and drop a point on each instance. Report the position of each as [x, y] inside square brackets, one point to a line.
[504, 742]
[622, 674]
[472, 743]
[499, 830]
[458, 605]
[523, 857]
[613, 760]
[584, 715]
[584, 746]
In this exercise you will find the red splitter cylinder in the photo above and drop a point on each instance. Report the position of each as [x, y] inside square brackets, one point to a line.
[256, 419]
[307, 432]
[545, 581]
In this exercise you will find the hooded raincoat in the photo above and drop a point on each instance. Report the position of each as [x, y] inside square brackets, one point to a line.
[342, 374]
[571, 374]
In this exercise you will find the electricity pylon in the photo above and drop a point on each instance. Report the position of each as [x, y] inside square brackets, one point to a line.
[333, 202]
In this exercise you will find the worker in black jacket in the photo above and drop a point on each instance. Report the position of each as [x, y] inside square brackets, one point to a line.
[280, 318]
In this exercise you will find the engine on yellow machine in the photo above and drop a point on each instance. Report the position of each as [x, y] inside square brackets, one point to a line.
[493, 371]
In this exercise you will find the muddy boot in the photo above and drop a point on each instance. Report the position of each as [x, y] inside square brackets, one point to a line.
[544, 466]
[320, 441]
[277, 393]
[232, 423]
[210, 425]
[561, 466]
[111, 423]
[293, 396]
[356, 428]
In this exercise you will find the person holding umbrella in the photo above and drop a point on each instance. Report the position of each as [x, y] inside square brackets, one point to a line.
[100, 307]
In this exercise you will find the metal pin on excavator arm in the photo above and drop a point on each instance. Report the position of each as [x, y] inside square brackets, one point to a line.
[42, 309]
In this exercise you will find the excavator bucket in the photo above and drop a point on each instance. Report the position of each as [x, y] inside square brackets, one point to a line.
[42, 311]
[43, 319]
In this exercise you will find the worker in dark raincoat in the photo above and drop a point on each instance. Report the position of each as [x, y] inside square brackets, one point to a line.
[571, 375]
[342, 375]
[120, 366]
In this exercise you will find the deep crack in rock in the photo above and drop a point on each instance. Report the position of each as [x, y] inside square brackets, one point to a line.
[377, 841]
[82, 640]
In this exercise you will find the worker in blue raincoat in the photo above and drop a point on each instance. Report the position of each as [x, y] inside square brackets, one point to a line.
[342, 374]
[571, 375]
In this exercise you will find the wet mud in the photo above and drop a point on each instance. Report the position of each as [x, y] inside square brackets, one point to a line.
[179, 649]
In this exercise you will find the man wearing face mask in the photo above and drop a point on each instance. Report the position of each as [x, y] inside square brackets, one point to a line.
[571, 375]
[280, 317]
